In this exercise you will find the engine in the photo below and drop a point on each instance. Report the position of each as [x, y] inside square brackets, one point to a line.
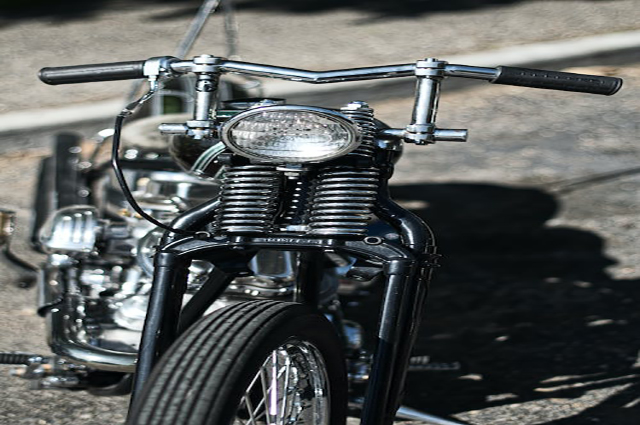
[110, 250]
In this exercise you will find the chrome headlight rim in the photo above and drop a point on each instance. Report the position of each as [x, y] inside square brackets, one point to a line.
[354, 136]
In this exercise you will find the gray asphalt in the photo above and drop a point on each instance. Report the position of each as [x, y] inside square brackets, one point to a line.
[306, 34]
[547, 330]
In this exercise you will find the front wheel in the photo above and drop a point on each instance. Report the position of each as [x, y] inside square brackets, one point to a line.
[253, 363]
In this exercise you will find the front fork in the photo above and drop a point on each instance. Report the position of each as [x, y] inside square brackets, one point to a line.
[407, 269]
[405, 293]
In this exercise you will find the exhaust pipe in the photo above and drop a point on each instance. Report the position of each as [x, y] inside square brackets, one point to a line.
[66, 330]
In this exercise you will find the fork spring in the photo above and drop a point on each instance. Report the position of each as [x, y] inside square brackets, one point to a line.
[249, 198]
[343, 200]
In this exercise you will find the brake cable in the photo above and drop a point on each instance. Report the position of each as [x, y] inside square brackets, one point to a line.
[154, 86]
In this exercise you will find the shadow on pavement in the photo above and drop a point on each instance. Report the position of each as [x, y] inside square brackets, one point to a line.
[381, 8]
[13, 10]
[76, 9]
[397, 8]
[528, 310]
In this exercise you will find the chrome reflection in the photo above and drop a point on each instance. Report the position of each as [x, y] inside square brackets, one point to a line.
[291, 387]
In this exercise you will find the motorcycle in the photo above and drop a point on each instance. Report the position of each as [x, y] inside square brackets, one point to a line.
[205, 274]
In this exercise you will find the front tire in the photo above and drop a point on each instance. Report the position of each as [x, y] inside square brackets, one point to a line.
[254, 363]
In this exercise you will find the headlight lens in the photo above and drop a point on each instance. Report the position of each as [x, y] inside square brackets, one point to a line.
[290, 134]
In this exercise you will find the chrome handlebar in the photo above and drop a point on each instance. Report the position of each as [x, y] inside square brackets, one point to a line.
[324, 77]
[429, 73]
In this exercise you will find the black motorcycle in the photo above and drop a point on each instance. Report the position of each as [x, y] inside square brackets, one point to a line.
[206, 271]
[241, 256]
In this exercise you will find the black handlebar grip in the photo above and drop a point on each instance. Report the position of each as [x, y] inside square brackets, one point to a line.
[90, 73]
[554, 80]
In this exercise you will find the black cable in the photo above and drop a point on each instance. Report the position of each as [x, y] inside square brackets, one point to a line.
[13, 257]
[115, 163]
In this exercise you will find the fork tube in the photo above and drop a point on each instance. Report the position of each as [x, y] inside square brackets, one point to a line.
[160, 326]
[215, 284]
[406, 291]
[310, 274]
[407, 328]
[379, 406]
[402, 310]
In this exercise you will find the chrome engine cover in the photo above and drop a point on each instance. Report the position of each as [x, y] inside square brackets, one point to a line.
[72, 229]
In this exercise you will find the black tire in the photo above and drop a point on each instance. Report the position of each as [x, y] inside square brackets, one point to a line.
[204, 376]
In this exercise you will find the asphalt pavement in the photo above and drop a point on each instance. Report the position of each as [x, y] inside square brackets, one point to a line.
[313, 34]
[537, 215]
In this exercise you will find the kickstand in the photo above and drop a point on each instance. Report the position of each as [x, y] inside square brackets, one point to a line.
[405, 412]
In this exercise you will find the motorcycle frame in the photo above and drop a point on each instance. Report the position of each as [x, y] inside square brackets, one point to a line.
[406, 265]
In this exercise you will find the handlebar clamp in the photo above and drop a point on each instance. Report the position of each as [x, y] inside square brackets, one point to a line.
[420, 134]
[159, 67]
[431, 68]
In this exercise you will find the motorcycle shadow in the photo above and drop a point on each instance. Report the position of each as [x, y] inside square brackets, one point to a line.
[526, 307]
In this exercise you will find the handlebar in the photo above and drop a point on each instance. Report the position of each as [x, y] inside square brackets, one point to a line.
[554, 80]
[92, 73]
[526, 77]
[429, 74]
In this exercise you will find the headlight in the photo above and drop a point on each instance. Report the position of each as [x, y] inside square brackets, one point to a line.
[290, 134]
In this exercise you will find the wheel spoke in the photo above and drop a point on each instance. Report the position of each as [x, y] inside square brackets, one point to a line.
[247, 401]
[253, 411]
[273, 400]
[259, 407]
[293, 388]
[285, 397]
[264, 379]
